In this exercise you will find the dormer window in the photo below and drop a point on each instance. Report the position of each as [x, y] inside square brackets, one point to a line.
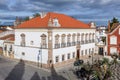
[92, 24]
[56, 22]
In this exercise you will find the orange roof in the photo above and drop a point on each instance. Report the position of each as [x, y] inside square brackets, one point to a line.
[64, 20]
[10, 37]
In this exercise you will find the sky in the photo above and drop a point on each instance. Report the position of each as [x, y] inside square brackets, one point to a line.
[98, 11]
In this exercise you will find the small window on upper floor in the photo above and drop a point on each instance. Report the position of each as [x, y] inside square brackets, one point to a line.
[113, 39]
[56, 22]
[23, 54]
[31, 42]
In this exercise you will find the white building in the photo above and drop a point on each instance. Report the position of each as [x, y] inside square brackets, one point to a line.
[54, 39]
[101, 37]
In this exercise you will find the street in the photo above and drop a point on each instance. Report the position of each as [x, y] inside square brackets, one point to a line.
[19, 70]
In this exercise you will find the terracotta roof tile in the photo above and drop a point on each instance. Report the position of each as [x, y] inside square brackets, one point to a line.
[10, 37]
[64, 20]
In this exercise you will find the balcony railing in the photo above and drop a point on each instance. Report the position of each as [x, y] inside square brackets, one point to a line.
[78, 42]
[63, 45]
[44, 46]
[57, 45]
[73, 43]
[82, 42]
[68, 44]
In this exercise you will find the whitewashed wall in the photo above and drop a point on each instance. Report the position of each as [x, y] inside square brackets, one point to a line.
[33, 35]
[31, 54]
[31, 51]
[64, 51]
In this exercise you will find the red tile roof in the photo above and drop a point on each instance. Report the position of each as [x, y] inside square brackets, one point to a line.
[10, 37]
[64, 20]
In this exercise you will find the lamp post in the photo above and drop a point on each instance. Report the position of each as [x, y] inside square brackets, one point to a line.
[38, 57]
[40, 53]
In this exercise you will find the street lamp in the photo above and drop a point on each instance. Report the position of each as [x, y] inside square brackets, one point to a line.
[38, 58]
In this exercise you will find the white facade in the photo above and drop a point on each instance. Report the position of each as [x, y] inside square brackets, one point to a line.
[31, 52]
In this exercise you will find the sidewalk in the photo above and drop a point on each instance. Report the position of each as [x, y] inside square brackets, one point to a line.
[34, 65]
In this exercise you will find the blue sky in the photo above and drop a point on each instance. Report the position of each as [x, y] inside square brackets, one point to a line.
[99, 11]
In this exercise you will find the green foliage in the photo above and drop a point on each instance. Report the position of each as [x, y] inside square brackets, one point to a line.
[26, 18]
[105, 61]
[36, 14]
[114, 20]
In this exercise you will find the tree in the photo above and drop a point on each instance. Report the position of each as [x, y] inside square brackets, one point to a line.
[114, 20]
[26, 18]
[36, 14]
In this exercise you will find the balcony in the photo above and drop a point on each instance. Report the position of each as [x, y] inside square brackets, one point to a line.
[63, 45]
[82, 42]
[78, 42]
[93, 40]
[68, 44]
[57, 45]
[44, 46]
[73, 43]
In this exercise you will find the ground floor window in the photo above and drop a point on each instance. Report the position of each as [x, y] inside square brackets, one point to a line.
[73, 55]
[57, 58]
[23, 54]
[82, 53]
[86, 52]
[63, 57]
[68, 56]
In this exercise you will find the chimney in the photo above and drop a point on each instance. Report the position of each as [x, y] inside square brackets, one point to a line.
[43, 14]
[109, 26]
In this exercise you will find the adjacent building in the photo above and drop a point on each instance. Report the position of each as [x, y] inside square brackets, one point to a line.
[114, 39]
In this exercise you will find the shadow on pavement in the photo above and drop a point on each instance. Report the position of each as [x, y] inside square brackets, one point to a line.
[17, 72]
[54, 76]
[35, 76]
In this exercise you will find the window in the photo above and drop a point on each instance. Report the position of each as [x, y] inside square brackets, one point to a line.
[113, 40]
[93, 50]
[10, 48]
[86, 36]
[73, 55]
[5, 48]
[23, 54]
[89, 51]
[63, 44]
[63, 57]
[73, 39]
[113, 50]
[68, 56]
[82, 53]
[86, 52]
[90, 37]
[43, 41]
[119, 31]
[56, 22]
[57, 44]
[31, 43]
[22, 39]
[78, 37]
[57, 58]
[93, 36]
[82, 38]
[68, 40]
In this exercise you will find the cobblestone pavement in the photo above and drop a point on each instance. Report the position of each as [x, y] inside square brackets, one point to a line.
[115, 72]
